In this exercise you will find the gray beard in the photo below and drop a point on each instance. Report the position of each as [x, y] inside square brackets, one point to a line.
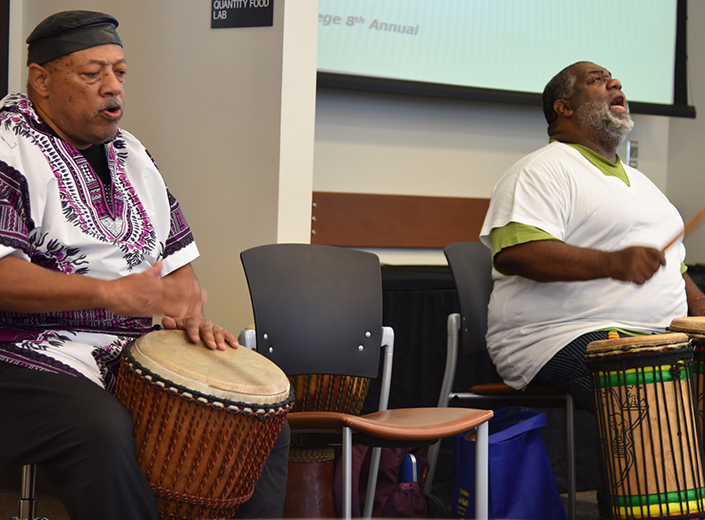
[607, 129]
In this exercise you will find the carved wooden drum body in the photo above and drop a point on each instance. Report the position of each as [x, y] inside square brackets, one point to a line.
[205, 421]
[647, 419]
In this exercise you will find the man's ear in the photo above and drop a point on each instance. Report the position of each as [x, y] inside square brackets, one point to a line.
[39, 79]
[563, 108]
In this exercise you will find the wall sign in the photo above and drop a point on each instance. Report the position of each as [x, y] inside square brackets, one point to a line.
[241, 13]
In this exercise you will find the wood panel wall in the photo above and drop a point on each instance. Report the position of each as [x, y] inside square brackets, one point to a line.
[403, 221]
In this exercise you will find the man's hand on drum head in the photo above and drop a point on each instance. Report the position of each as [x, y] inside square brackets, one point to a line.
[200, 328]
[177, 296]
[188, 316]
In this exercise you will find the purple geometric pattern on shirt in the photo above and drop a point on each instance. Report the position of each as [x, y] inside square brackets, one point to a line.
[180, 233]
[85, 203]
[25, 348]
[90, 320]
[108, 360]
[34, 359]
[15, 215]
[55, 256]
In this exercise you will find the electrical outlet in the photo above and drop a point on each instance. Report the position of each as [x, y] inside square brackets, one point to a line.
[633, 153]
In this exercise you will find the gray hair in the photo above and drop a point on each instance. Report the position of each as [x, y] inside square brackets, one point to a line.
[561, 86]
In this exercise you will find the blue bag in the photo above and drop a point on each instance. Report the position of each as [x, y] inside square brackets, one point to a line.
[521, 481]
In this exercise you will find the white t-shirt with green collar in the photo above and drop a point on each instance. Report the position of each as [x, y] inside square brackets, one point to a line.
[558, 190]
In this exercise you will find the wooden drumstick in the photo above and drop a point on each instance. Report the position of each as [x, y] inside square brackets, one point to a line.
[690, 226]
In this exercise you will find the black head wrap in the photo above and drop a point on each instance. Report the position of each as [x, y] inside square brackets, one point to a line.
[70, 31]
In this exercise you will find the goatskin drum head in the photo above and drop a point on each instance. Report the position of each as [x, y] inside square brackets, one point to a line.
[236, 374]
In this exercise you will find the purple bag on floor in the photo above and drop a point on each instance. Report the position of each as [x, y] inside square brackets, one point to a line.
[393, 498]
[521, 481]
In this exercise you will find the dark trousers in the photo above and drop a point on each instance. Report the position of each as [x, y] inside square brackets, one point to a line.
[82, 437]
[567, 369]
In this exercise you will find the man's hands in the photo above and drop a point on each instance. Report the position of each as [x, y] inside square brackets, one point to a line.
[635, 264]
[146, 294]
[196, 328]
[177, 296]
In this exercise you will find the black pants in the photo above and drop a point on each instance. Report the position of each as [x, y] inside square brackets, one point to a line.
[82, 437]
[567, 369]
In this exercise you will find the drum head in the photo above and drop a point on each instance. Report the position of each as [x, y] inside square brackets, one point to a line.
[692, 325]
[239, 375]
[635, 344]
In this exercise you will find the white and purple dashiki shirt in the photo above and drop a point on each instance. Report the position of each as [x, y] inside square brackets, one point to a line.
[56, 213]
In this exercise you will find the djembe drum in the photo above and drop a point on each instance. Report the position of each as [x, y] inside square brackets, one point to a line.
[694, 327]
[647, 425]
[309, 492]
[205, 421]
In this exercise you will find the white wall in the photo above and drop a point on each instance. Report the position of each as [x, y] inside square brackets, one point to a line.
[208, 104]
[298, 93]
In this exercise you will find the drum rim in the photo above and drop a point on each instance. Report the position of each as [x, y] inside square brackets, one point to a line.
[171, 355]
[682, 325]
[202, 399]
[681, 358]
[635, 344]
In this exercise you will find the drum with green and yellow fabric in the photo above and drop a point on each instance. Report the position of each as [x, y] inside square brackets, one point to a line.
[646, 414]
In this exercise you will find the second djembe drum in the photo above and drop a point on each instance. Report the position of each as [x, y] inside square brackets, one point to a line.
[694, 327]
[310, 492]
[651, 451]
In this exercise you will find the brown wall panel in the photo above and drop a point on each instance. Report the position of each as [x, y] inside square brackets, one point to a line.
[367, 220]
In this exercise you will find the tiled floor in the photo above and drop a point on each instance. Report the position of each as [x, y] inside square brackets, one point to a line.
[585, 505]
[51, 508]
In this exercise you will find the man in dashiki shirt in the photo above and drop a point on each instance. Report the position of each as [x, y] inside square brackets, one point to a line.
[92, 245]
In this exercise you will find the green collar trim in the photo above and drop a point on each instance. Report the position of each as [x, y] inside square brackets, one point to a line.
[602, 164]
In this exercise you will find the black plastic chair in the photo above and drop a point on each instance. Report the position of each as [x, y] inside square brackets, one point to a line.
[471, 266]
[318, 310]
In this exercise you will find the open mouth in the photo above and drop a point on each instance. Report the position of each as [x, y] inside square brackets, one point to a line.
[111, 108]
[619, 106]
[618, 101]
[113, 112]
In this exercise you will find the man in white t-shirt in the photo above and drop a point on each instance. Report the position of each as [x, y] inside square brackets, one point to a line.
[578, 242]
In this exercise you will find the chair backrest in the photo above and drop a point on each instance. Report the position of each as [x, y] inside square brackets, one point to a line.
[471, 266]
[306, 299]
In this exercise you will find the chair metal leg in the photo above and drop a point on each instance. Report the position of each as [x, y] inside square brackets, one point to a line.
[372, 482]
[28, 500]
[347, 472]
[452, 331]
[482, 466]
[570, 442]
[431, 461]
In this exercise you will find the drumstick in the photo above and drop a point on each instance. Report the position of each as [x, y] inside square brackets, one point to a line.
[690, 226]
